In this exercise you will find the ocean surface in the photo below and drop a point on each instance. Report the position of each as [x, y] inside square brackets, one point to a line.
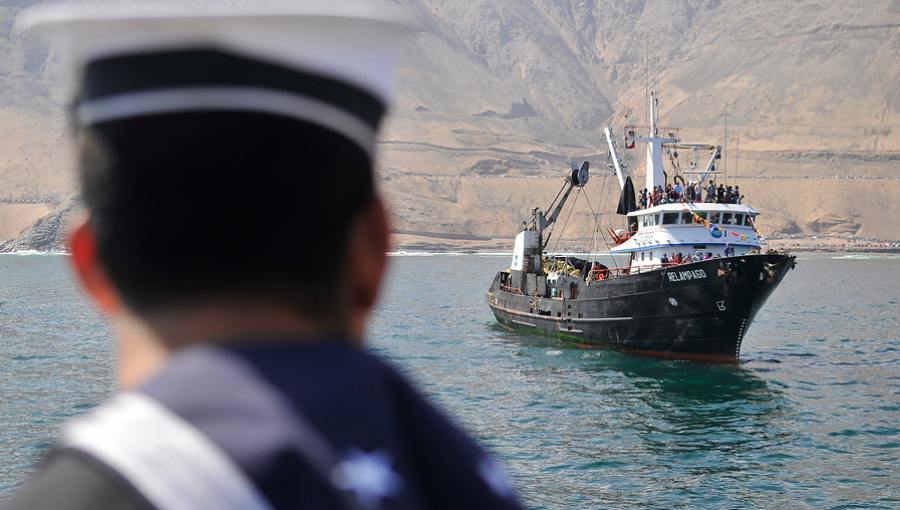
[810, 418]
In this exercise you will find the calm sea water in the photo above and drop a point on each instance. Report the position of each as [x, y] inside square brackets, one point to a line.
[809, 419]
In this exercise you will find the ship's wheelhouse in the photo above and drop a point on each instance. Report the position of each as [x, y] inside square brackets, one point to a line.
[688, 228]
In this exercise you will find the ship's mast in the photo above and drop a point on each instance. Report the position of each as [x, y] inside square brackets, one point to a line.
[655, 176]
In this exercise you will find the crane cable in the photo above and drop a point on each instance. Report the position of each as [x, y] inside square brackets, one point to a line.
[597, 223]
[566, 223]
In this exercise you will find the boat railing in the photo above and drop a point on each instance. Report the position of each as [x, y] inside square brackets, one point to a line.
[619, 239]
[513, 290]
[607, 273]
[615, 272]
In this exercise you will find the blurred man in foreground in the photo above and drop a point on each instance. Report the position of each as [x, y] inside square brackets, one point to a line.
[237, 242]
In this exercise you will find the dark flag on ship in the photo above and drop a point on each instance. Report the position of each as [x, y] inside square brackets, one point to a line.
[626, 201]
[627, 204]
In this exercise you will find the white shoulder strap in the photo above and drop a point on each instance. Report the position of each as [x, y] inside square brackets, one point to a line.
[164, 457]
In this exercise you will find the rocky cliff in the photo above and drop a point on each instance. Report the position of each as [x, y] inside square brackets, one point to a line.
[47, 233]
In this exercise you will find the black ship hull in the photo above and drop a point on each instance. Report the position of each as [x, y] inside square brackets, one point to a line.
[700, 310]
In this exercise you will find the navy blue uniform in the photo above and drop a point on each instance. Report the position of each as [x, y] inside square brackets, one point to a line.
[319, 426]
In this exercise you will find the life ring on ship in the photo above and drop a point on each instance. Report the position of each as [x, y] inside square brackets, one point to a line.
[598, 273]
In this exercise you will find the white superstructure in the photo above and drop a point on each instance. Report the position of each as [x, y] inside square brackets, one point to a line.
[688, 228]
[680, 227]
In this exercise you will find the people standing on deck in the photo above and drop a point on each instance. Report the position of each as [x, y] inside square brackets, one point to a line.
[720, 193]
[687, 258]
[711, 191]
[678, 259]
[664, 260]
[729, 250]
[708, 255]
[678, 192]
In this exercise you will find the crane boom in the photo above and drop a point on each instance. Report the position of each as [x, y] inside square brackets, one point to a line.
[579, 178]
[617, 162]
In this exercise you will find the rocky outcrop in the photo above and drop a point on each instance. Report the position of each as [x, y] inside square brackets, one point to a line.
[46, 234]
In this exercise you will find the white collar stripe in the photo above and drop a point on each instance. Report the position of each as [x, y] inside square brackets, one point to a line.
[238, 99]
[164, 457]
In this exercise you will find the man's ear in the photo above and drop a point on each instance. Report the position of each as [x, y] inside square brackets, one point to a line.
[93, 278]
[367, 247]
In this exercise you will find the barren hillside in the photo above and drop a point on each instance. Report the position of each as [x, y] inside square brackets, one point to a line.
[494, 90]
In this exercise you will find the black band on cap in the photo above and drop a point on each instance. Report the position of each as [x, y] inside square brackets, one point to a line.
[210, 68]
[211, 80]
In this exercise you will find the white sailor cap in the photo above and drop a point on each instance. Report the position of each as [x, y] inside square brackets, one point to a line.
[332, 67]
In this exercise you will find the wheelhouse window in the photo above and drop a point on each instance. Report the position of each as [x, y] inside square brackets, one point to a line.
[670, 218]
[713, 217]
[701, 215]
[738, 219]
[726, 218]
[686, 218]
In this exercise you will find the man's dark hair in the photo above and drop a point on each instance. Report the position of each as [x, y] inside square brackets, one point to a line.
[194, 206]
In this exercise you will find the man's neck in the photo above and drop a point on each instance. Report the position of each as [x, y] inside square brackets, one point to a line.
[146, 342]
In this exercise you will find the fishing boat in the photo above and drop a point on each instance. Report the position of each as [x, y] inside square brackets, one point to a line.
[690, 308]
